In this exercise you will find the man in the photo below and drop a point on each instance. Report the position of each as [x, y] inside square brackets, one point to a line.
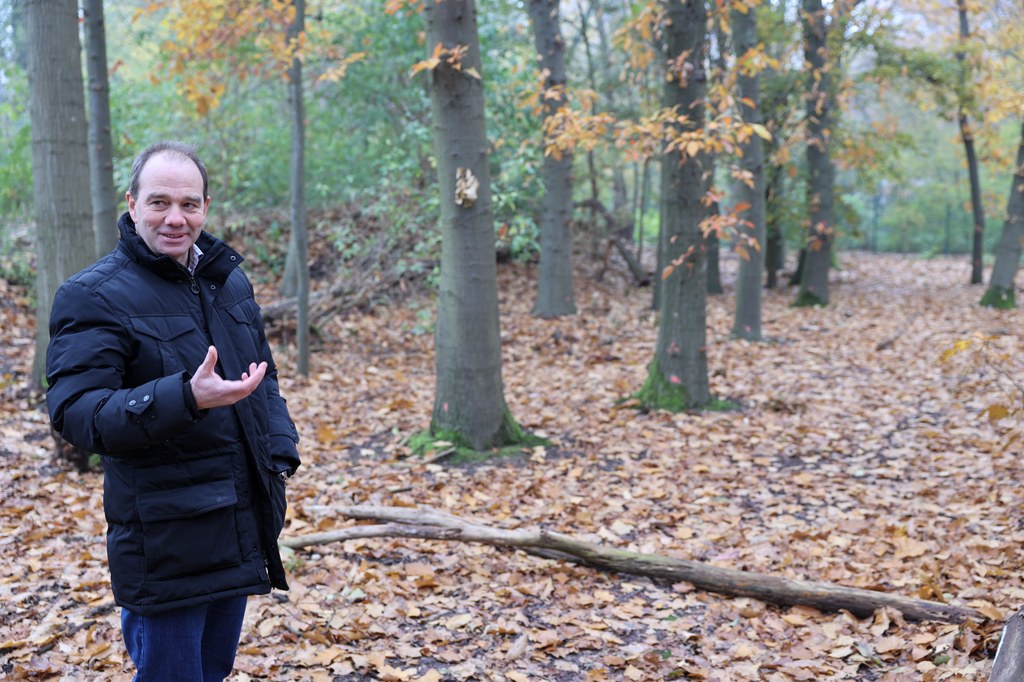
[158, 362]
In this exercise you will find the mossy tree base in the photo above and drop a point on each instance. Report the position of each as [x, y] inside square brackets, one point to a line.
[658, 393]
[1000, 298]
[806, 299]
[454, 447]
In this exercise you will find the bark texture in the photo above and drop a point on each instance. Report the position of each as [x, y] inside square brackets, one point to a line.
[60, 156]
[433, 524]
[751, 191]
[469, 402]
[101, 148]
[1008, 665]
[820, 186]
[554, 286]
[1001, 291]
[678, 377]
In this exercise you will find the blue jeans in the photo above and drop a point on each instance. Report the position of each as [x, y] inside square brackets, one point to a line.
[193, 644]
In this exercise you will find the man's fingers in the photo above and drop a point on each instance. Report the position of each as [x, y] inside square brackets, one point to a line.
[256, 372]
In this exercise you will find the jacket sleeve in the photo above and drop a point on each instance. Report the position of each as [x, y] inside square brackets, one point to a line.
[281, 429]
[85, 367]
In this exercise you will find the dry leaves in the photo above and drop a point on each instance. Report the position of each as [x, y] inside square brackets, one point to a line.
[866, 467]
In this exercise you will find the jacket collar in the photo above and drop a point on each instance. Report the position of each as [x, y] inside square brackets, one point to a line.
[217, 262]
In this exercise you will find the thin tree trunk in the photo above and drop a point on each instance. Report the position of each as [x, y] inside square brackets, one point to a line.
[775, 246]
[60, 156]
[1001, 291]
[620, 193]
[678, 376]
[554, 287]
[712, 243]
[644, 191]
[297, 174]
[433, 524]
[967, 136]
[101, 159]
[820, 105]
[751, 233]
[469, 403]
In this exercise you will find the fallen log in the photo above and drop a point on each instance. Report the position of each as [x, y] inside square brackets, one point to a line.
[325, 304]
[615, 232]
[431, 524]
[1008, 665]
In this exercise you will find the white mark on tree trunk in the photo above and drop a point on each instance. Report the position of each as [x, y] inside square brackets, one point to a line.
[466, 186]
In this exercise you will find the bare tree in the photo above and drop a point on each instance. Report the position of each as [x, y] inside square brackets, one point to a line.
[554, 285]
[60, 156]
[469, 403]
[101, 151]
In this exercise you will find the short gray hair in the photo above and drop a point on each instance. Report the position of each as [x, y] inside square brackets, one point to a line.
[180, 150]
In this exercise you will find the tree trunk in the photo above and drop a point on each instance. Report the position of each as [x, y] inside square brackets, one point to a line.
[751, 232]
[554, 286]
[290, 278]
[820, 186]
[620, 193]
[645, 188]
[101, 152]
[1008, 665]
[297, 174]
[967, 136]
[469, 404]
[775, 243]
[60, 156]
[433, 524]
[712, 243]
[678, 376]
[1001, 291]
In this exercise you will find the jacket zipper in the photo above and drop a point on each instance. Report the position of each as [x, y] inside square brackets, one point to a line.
[194, 284]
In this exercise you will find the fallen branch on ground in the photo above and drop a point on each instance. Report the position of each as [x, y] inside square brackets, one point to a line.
[615, 234]
[431, 524]
[355, 291]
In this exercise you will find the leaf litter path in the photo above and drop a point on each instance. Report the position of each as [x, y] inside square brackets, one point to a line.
[865, 467]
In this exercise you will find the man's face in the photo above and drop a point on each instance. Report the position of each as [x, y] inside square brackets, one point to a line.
[170, 209]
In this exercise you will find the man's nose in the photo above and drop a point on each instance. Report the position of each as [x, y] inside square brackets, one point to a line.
[175, 216]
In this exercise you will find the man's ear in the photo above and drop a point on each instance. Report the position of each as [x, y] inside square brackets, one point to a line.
[131, 204]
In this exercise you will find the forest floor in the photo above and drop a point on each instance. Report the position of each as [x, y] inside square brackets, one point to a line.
[868, 451]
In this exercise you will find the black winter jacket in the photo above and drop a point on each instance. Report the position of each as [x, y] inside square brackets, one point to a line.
[193, 499]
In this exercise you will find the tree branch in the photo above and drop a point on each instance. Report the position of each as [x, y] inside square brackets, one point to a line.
[431, 524]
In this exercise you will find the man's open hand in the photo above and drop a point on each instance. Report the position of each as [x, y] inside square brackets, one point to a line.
[210, 390]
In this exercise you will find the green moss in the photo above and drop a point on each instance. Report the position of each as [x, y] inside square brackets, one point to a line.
[510, 440]
[723, 405]
[426, 444]
[806, 299]
[1000, 298]
[658, 393]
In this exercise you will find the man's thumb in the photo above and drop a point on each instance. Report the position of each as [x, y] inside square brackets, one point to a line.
[210, 361]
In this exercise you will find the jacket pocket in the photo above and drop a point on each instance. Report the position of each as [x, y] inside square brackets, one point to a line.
[161, 337]
[189, 530]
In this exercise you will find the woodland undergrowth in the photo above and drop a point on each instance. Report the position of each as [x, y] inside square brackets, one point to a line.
[862, 453]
